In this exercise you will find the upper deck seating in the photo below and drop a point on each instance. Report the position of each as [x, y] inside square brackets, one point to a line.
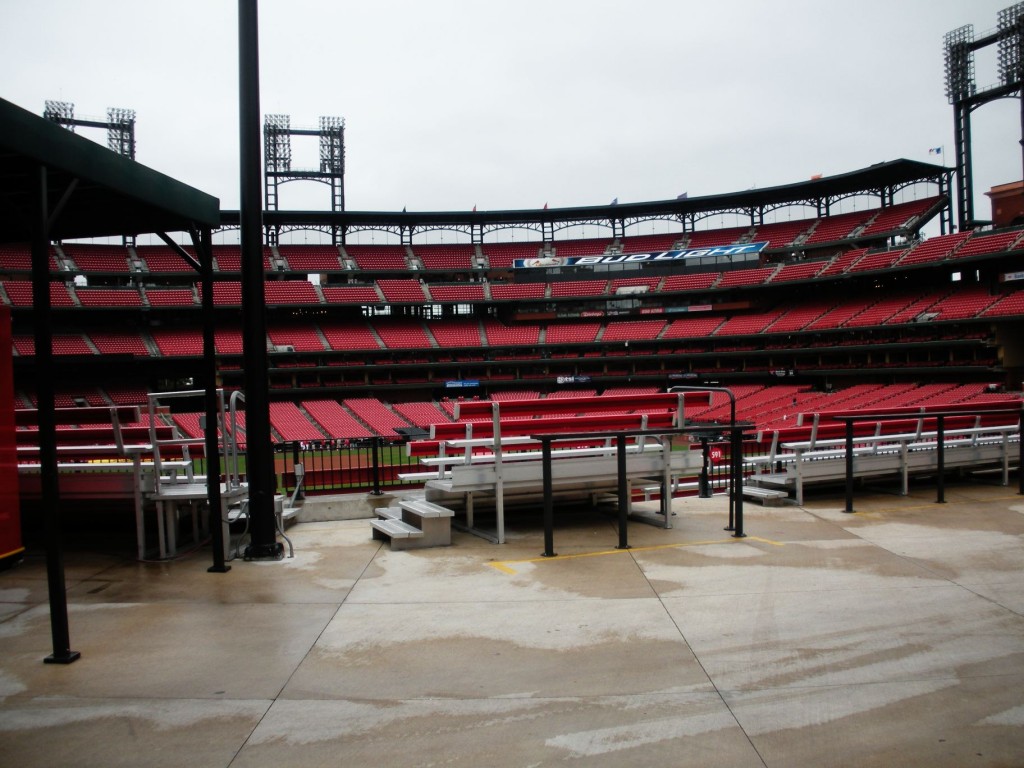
[588, 247]
[63, 344]
[743, 325]
[171, 297]
[572, 333]
[175, 342]
[706, 238]
[119, 343]
[516, 292]
[455, 333]
[15, 257]
[311, 258]
[304, 338]
[697, 281]
[97, 258]
[1009, 304]
[228, 258]
[160, 258]
[403, 334]
[290, 292]
[499, 334]
[19, 292]
[108, 297]
[402, 291]
[838, 227]
[378, 257]
[579, 288]
[987, 243]
[898, 216]
[351, 294]
[450, 257]
[780, 234]
[651, 243]
[696, 327]
[466, 293]
[349, 336]
[504, 255]
[934, 248]
[632, 330]
[750, 276]
[880, 260]
[804, 270]
[843, 262]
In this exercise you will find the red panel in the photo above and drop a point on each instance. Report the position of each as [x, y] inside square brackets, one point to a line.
[10, 515]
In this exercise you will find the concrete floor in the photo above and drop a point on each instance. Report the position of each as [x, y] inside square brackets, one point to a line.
[894, 636]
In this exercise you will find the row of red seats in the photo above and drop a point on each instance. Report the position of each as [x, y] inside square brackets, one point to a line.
[965, 302]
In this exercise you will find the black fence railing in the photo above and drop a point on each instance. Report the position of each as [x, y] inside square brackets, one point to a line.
[373, 465]
[347, 466]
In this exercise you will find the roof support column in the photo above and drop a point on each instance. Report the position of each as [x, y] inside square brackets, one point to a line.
[259, 453]
[42, 317]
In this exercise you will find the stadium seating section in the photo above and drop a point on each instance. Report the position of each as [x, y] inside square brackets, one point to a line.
[365, 340]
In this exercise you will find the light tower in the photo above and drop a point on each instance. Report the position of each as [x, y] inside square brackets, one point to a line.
[278, 170]
[964, 95]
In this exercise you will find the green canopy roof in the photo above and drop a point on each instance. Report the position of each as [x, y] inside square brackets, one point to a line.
[111, 195]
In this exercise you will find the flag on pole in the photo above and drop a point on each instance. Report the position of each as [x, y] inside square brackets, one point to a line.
[683, 196]
[545, 206]
[935, 151]
[474, 208]
[615, 201]
[815, 177]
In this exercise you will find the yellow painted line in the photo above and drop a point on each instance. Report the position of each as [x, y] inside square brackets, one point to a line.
[505, 566]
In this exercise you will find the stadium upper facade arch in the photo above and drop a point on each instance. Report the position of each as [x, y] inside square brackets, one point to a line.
[882, 181]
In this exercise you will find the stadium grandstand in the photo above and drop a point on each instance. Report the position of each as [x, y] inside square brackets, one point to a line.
[821, 302]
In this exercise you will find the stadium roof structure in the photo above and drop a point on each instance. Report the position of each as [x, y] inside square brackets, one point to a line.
[99, 192]
[56, 185]
[881, 179]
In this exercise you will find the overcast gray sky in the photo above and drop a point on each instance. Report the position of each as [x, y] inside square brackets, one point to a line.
[499, 104]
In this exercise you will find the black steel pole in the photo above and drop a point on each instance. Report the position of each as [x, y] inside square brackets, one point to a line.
[849, 466]
[259, 454]
[204, 249]
[736, 437]
[42, 317]
[940, 436]
[376, 467]
[549, 502]
[620, 455]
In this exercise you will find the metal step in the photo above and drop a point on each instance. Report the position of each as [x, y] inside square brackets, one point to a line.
[397, 529]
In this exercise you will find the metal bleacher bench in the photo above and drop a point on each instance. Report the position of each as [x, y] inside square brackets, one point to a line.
[103, 459]
[806, 462]
[488, 458]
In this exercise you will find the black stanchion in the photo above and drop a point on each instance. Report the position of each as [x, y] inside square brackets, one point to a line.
[376, 467]
[704, 482]
[620, 455]
[736, 459]
[849, 466]
[549, 503]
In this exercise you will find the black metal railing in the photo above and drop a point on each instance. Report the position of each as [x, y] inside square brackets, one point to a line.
[366, 465]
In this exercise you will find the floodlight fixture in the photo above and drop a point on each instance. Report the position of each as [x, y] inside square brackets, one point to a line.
[121, 131]
[332, 144]
[60, 112]
[278, 142]
[958, 45]
[1011, 35]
